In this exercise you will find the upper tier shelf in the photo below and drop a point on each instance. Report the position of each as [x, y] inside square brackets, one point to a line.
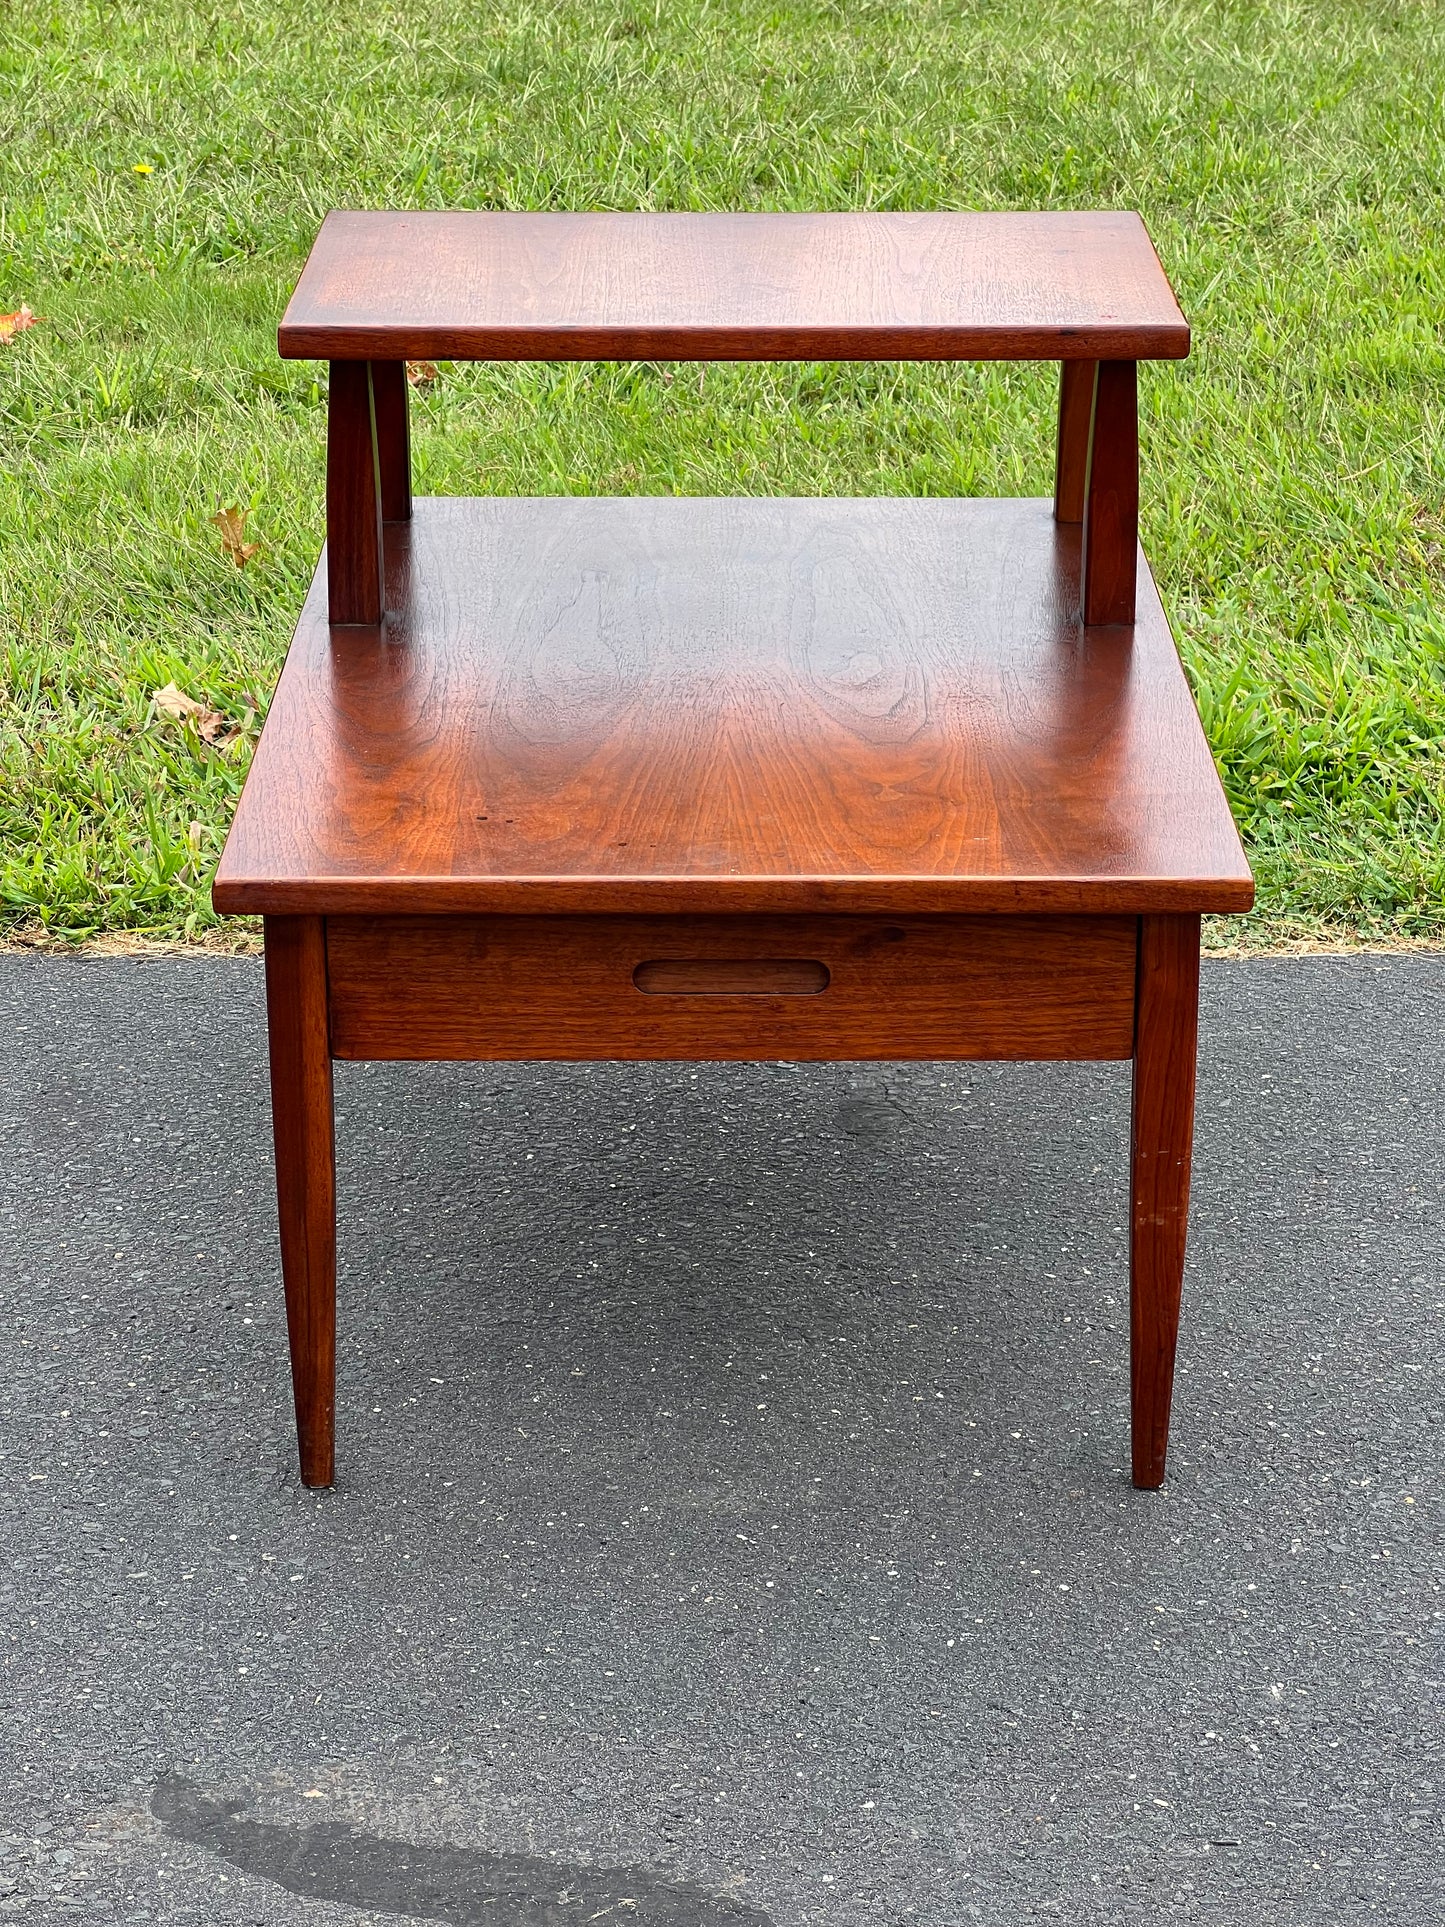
[733, 287]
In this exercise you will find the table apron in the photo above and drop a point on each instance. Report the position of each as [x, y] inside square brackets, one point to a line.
[732, 988]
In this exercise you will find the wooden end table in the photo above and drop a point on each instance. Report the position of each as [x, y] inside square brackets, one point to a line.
[732, 779]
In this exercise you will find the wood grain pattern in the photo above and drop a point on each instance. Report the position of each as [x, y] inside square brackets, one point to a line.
[1111, 496]
[752, 287]
[393, 438]
[301, 1113]
[354, 551]
[1076, 415]
[719, 706]
[1162, 1141]
[563, 988]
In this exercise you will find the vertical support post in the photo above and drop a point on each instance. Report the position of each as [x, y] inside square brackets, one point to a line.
[393, 440]
[1111, 496]
[1165, 1040]
[354, 556]
[1076, 414]
[301, 1113]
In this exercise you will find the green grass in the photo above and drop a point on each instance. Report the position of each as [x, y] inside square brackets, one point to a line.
[1288, 158]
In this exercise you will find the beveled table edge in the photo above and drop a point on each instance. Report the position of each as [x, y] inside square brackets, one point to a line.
[463, 341]
[728, 896]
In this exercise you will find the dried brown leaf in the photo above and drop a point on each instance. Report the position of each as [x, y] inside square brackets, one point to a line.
[16, 323]
[176, 704]
[218, 730]
[214, 729]
[232, 524]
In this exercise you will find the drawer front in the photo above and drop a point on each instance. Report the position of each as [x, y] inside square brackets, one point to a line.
[694, 988]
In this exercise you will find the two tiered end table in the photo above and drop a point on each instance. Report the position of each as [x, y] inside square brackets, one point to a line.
[732, 778]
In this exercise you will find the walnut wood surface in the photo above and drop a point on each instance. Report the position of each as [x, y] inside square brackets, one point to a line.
[1076, 414]
[393, 438]
[1111, 496]
[354, 547]
[760, 976]
[1162, 1141]
[732, 705]
[860, 286]
[301, 1113]
[563, 987]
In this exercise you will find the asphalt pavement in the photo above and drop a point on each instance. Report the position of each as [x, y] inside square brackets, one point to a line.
[733, 1525]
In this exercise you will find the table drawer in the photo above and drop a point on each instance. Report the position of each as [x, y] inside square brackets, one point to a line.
[732, 987]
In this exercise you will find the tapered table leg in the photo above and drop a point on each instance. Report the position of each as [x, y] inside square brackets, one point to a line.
[1076, 417]
[393, 439]
[1167, 1022]
[355, 555]
[1111, 496]
[305, 1176]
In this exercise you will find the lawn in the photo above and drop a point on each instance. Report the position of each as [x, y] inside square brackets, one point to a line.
[163, 169]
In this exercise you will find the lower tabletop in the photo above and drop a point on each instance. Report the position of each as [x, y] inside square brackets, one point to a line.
[732, 988]
[702, 707]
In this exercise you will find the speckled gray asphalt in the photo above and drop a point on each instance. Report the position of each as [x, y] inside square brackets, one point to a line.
[732, 1523]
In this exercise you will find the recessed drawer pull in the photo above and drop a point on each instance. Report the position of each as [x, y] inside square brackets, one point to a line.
[731, 977]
